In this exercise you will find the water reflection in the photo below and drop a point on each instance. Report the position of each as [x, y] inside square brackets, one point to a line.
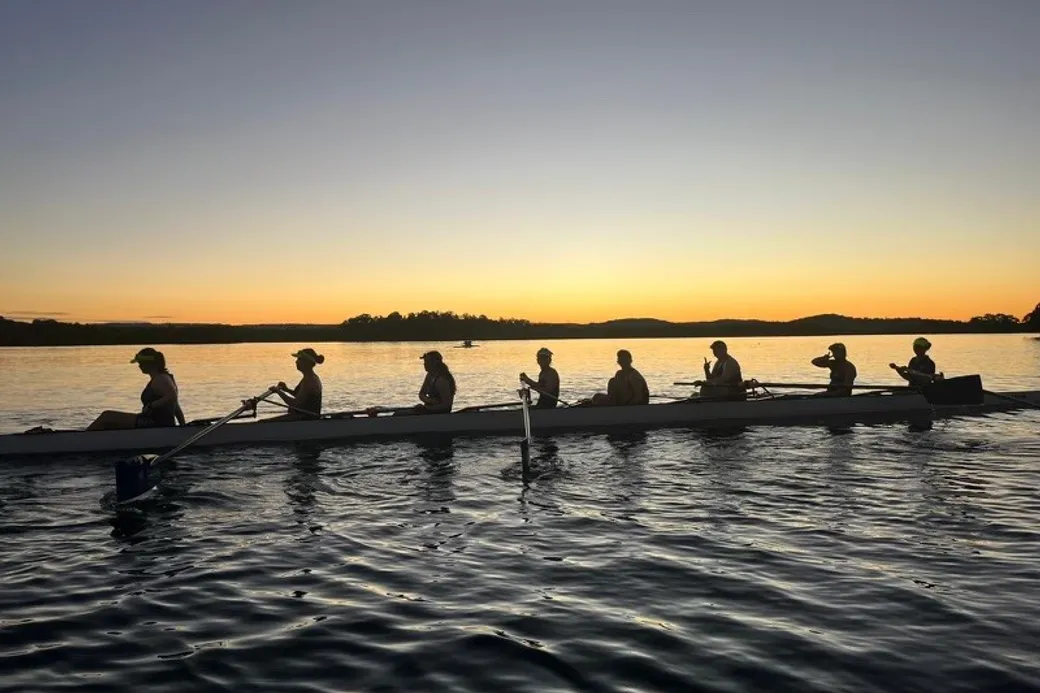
[627, 442]
[628, 470]
[436, 468]
[129, 525]
[146, 519]
[303, 481]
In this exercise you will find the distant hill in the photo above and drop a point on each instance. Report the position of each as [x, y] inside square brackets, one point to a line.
[447, 326]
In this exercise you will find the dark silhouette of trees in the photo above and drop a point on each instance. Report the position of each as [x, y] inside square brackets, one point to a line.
[448, 326]
[431, 326]
[996, 322]
[1031, 321]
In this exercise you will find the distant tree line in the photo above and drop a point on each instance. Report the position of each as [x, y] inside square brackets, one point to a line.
[449, 326]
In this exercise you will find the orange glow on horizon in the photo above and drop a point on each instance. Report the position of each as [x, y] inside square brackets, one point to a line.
[237, 307]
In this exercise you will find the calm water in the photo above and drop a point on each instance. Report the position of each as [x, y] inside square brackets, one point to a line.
[791, 559]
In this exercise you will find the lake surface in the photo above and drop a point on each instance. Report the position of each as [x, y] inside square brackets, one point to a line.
[770, 559]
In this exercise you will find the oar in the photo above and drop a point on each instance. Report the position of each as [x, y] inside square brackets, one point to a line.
[132, 480]
[532, 388]
[525, 444]
[296, 409]
[958, 391]
[345, 414]
[550, 396]
[246, 404]
[1017, 400]
[482, 407]
[810, 386]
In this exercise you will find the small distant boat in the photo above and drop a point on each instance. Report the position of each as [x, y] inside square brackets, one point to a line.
[466, 344]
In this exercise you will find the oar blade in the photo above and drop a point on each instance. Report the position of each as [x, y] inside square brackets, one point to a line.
[134, 478]
[960, 391]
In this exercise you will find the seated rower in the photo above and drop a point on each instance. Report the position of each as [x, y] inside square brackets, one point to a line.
[627, 387]
[843, 372]
[723, 380]
[548, 384]
[438, 389]
[921, 369]
[159, 399]
[304, 400]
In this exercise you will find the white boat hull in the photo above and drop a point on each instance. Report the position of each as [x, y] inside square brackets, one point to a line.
[694, 414]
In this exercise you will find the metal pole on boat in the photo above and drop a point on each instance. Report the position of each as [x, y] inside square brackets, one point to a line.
[525, 444]
[132, 476]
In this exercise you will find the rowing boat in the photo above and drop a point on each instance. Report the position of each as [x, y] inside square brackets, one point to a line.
[692, 413]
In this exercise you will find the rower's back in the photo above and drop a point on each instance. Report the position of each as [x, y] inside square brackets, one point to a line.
[628, 387]
[843, 377]
[549, 388]
[309, 396]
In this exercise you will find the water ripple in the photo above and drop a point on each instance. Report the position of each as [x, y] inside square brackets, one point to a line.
[785, 560]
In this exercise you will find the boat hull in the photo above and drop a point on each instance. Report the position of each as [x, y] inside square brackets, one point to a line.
[693, 414]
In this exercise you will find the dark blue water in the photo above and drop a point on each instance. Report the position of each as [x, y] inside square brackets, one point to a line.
[797, 559]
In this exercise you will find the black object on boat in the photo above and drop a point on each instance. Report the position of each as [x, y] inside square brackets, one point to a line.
[959, 391]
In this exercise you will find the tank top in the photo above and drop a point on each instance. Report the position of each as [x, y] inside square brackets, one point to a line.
[162, 416]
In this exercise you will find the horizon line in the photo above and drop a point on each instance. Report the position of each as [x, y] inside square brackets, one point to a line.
[465, 316]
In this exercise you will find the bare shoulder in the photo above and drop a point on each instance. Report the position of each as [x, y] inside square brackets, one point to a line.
[165, 381]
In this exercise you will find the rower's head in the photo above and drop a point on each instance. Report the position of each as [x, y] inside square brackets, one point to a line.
[150, 360]
[307, 359]
[838, 351]
[624, 358]
[921, 346]
[543, 357]
[433, 361]
[719, 349]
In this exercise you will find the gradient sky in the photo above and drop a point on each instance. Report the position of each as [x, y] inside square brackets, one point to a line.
[253, 161]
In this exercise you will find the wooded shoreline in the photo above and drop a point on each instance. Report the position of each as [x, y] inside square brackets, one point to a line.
[429, 326]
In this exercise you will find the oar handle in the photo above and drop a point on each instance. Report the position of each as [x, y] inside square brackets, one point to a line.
[532, 388]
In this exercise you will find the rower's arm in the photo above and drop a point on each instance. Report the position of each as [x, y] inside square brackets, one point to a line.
[290, 396]
[423, 389]
[441, 403]
[427, 398]
[179, 416]
[917, 377]
[822, 362]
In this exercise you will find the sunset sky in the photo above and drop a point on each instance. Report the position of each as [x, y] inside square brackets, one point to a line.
[253, 161]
